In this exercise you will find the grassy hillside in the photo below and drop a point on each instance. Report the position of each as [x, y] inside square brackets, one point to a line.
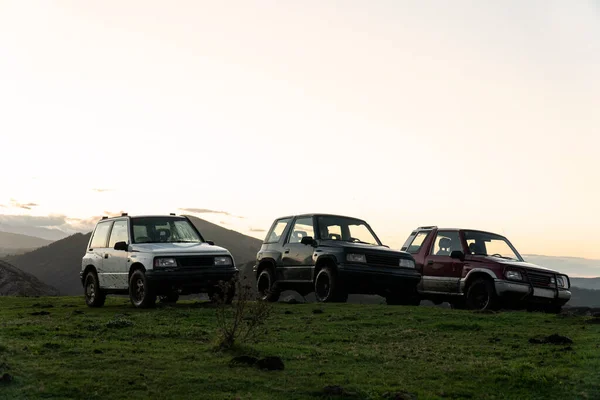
[370, 351]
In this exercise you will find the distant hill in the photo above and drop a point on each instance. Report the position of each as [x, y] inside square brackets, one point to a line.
[35, 231]
[584, 298]
[14, 243]
[586, 283]
[14, 282]
[572, 266]
[59, 263]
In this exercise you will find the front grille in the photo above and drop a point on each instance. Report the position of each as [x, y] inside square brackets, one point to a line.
[376, 259]
[539, 279]
[195, 261]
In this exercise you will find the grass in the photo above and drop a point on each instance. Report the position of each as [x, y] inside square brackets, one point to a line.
[372, 351]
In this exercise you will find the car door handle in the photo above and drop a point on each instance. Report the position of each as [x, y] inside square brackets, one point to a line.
[430, 262]
[106, 256]
[287, 251]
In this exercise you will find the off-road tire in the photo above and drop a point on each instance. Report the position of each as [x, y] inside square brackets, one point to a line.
[328, 288]
[94, 296]
[265, 283]
[141, 293]
[481, 295]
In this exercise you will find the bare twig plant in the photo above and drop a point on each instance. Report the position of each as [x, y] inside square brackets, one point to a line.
[242, 320]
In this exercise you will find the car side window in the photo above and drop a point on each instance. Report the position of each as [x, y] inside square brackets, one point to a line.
[414, 246]
[302, 227]
[100, 235]
[118, 234]
[445, 243]
[277, 230]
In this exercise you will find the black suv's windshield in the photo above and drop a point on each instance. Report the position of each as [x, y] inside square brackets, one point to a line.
[163, 230]
[346, 229]
[488, 244]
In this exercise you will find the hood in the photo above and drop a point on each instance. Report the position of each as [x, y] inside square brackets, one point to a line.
[363, 248]
[179, 248]
[518, 264]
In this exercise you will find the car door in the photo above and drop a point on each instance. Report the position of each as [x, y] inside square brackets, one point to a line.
[297, 259]
[98, 248]
[116, 265]
[442, 273]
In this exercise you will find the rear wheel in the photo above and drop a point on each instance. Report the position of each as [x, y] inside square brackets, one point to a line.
[94, 296]
[481, 295]
[265, 286]
[141, 293]
[328, 288]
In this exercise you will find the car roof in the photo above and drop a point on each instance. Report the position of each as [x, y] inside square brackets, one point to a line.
[320, 215]
[430, 228]
[142, 216]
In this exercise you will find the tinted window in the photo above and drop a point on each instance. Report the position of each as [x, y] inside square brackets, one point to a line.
[445, 243]
[302, 227]
[414, 242]
[101, 235]
[347, 229]
[277, 230]
[118, 234]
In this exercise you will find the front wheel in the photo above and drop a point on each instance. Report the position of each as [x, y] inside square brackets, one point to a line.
[140, 291]
[481, 295]
[328, 288]
[265, 285]
[94, 296]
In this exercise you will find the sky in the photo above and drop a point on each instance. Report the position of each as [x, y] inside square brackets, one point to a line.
[466, 114]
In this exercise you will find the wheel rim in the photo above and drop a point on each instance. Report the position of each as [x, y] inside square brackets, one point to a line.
[90, 290]
[139, 290]
[264, 284]
[322, 286]
[480, 297]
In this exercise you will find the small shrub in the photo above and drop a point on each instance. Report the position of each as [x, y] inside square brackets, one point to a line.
[244, 319]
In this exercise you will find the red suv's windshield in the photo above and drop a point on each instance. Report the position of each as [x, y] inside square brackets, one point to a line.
[489, 244]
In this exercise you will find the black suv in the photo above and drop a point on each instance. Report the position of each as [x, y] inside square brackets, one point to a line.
[332, 256]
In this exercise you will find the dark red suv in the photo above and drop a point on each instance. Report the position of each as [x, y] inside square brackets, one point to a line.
[482, 270]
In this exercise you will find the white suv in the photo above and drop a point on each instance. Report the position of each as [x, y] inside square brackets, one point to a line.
[150, 256]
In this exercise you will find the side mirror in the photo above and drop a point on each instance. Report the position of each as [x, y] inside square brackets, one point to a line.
[308, 240]
[122, 246]
[458, 255]
[210, 242]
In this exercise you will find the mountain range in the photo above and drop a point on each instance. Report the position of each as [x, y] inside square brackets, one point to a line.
[14, 243]
[14, 282]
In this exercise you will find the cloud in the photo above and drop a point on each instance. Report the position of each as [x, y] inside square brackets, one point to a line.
[100, 190]
[257, 230]
[25, 206]
[204, 211]
[33, 221]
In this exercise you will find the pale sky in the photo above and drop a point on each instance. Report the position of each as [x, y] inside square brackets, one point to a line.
[474, 114]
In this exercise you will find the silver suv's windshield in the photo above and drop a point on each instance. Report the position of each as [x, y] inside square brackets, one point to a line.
[163, 230]
[346, 229]
[488, 244]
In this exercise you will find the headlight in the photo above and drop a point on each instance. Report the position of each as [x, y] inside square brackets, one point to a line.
[223, 261]
[562, 281]
[165, 262]
[406, 263]
[514, 275]
[358, 258]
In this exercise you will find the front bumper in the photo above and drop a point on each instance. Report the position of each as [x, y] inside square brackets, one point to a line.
[526, 292]
[196, 277]
[378, 277]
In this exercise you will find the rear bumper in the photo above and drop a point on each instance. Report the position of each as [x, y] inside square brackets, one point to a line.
[380, 279]
[524, 292]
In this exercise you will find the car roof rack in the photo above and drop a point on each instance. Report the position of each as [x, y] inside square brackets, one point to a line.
[105, 217]
[123, 214]
[427, 227]
[172, 214]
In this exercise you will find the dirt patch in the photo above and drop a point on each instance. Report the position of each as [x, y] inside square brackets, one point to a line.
[40, 313]
[271, 364]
